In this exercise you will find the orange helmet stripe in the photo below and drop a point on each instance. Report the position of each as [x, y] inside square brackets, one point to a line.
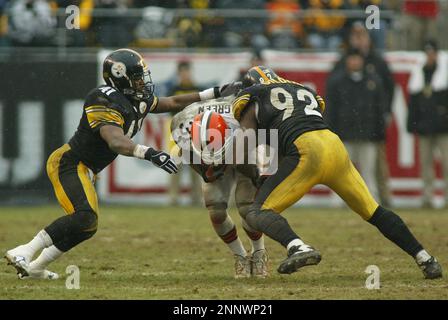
[262, 74]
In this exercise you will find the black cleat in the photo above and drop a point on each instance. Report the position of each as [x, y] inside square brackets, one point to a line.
[431, 269]
[298, 257]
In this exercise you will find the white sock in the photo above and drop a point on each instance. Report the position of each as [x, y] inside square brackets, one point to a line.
[422, 256]
[47, 256]
[237, 247]
[40, 241]
[258, 244]
[295, 242]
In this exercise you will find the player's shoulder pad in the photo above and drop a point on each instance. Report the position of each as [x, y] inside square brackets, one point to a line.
[109, 97]
[243, 99]
[153, 102]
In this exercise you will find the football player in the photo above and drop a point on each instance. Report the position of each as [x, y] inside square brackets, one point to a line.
[311, 154]
[218, 181]
[112, 115]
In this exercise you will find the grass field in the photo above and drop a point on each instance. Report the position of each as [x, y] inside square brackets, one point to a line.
[173, 253]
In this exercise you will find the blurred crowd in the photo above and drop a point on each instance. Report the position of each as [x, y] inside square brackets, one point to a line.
[282, 24]
[359, 96]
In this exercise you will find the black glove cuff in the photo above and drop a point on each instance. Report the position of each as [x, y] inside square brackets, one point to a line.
[150, 153]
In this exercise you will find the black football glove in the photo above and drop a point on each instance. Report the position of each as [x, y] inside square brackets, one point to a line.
[228, 89]
[161, 159]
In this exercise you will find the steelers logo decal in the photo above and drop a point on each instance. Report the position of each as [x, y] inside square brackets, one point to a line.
[118, 69]
[142, 107]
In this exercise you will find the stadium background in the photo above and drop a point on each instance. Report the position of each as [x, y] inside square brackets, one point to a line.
[158, 251]
[43, 83]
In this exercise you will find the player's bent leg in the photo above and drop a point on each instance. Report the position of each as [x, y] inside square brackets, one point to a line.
[76, 194]
[244, 197]
[288, 185]
[70, 230]
[21, 256]
[66, 232]
[226, 230]
[216, 197]
[350, 186]
[259, 260]
[394, 229]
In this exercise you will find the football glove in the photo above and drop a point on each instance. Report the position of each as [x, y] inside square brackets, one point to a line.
[229, 89]
[161, 160]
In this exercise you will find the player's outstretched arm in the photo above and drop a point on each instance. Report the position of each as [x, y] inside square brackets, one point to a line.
[179, 102]
[121, 144]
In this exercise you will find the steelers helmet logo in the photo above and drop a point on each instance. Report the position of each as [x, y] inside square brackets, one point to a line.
[118, 70]
[142, 107]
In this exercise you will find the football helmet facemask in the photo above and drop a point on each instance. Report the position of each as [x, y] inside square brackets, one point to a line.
[126, 71]
[211, 137]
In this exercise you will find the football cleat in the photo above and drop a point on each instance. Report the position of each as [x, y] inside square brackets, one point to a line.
[431, 268]
[259, 264]
[298, 257]
[19, 260]
[39, 274]
[242, 267]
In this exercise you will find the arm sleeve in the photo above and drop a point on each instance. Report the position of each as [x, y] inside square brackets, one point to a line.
[240, 103]
[154, 104]
[100, 115]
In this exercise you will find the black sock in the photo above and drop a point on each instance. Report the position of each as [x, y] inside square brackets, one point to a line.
[271, 224]
[394, 229]
[70, 230]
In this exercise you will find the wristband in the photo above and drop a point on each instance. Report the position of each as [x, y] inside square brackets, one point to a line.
[210, 93]
[139, 151]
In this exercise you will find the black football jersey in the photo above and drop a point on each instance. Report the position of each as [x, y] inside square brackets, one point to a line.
[106, 106]
[287, 106]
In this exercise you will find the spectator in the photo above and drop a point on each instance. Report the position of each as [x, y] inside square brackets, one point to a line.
[356, 112]
[78, 37]
[31, 23]
[3, 24]
[153, 30]
[241, 31]
[184, 84]
[378, 36]
[359, 38]
[420, 20]
[428, 115]
[325, 29]
[284, 28]
[113, 30]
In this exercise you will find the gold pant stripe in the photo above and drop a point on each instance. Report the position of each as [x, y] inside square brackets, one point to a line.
[53, 175]
[323, 160]
[89, 189]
